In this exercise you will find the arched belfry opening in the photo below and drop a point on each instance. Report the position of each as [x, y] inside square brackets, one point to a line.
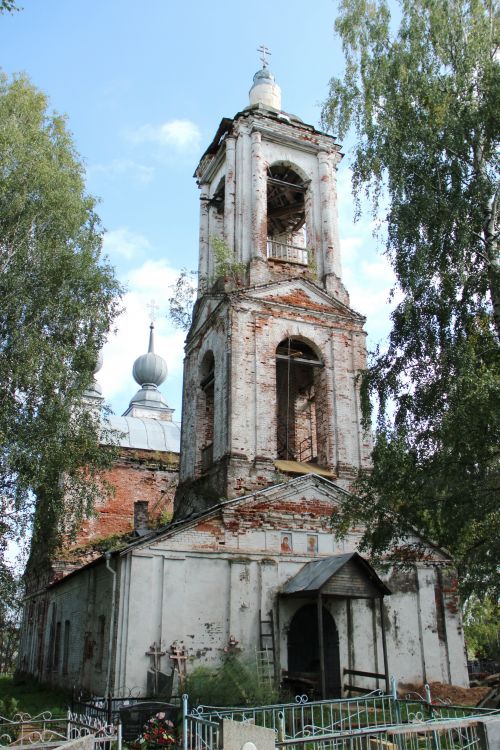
[300, 403]
[286, 215]
[205, 426]
[218, 198]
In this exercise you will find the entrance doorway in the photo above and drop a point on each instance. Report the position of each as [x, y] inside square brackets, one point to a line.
[304, 666]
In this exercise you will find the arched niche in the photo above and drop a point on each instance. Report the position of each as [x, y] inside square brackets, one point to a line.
[216, 214]
[205, 410]
[301, 402]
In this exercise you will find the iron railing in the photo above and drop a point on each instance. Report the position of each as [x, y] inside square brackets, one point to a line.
[46, 731]
[451, 735]
[286, 252]
[373, 721]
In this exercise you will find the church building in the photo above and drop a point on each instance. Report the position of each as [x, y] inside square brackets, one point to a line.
[243, 557]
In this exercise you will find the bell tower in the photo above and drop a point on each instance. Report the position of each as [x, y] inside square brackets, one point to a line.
[274, 348]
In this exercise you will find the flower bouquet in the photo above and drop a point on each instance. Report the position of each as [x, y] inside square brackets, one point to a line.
[157, 732]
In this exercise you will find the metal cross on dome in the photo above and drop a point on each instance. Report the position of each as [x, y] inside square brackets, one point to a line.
[264, 52]
[153, 309]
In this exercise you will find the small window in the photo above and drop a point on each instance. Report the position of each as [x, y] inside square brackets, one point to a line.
[101, 625]
[57, 648]
[206, 410]
[66, 647]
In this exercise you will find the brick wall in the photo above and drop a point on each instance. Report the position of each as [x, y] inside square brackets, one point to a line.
[142, 475]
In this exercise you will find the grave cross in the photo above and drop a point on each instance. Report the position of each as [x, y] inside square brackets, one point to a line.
[155, 653]
[178, 656]
[264, 52]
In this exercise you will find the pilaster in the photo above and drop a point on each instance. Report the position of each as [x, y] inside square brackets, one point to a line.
[230, 193]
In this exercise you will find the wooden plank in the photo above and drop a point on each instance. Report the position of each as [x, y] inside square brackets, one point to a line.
[350, 581]
[321, 646]
[360, 673]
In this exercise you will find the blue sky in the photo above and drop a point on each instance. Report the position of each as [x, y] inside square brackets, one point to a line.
[144, 86]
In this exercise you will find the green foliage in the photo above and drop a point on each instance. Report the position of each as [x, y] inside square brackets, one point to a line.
[184, 291]
[422, 100]
[10, 616]
[8, 707]
[312, 264]
[482, 628]
[180, 303]
[58, 299]
[30, 697]
[225, 266]
[100, 544]
[164, 518]
[234, 683]
[8, 6]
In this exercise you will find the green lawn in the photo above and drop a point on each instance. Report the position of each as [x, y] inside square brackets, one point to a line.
[34, 698]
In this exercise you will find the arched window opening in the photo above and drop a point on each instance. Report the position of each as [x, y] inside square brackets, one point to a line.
[217, 200]
[286, 215]
[206, 410]
[300, 399]
[216, 218]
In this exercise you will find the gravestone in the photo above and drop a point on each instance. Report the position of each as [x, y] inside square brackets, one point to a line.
[240, 735]
[159, 684]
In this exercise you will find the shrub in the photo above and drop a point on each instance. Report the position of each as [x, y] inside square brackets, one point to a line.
[235, 683]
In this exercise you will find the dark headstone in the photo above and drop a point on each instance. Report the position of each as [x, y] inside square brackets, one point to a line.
[159, 684]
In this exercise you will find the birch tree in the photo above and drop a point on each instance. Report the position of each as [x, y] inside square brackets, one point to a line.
[421, 95]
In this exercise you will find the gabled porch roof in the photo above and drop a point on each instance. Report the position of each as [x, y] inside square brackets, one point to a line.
[348, 576]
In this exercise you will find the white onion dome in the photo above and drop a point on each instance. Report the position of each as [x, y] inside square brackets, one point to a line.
[265, 91]
[98, 363]
[149, 371]
[150, 368]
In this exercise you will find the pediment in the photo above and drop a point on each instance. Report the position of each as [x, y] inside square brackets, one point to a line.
[310, 493]
[302, 294]
[302, 503]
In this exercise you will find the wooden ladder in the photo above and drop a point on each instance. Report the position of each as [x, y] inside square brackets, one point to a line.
[266, 654]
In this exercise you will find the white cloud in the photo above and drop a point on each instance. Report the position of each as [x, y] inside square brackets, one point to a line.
[149, 281]
[379, 269]
[349, 247]
[140, 173]
[124, 244]
[180, 135]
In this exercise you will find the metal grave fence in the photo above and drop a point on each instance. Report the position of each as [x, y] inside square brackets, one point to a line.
[45, 731]
[372, 722]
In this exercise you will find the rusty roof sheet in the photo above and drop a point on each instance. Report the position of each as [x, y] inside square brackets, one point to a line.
[295, 467]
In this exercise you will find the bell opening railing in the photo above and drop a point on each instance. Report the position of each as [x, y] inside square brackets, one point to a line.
[285, 252]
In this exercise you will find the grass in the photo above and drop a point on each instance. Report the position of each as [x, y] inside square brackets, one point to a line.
[32, 697]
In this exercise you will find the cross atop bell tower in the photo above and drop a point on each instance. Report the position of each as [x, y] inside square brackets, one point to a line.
[274, 348]
[264, 52]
